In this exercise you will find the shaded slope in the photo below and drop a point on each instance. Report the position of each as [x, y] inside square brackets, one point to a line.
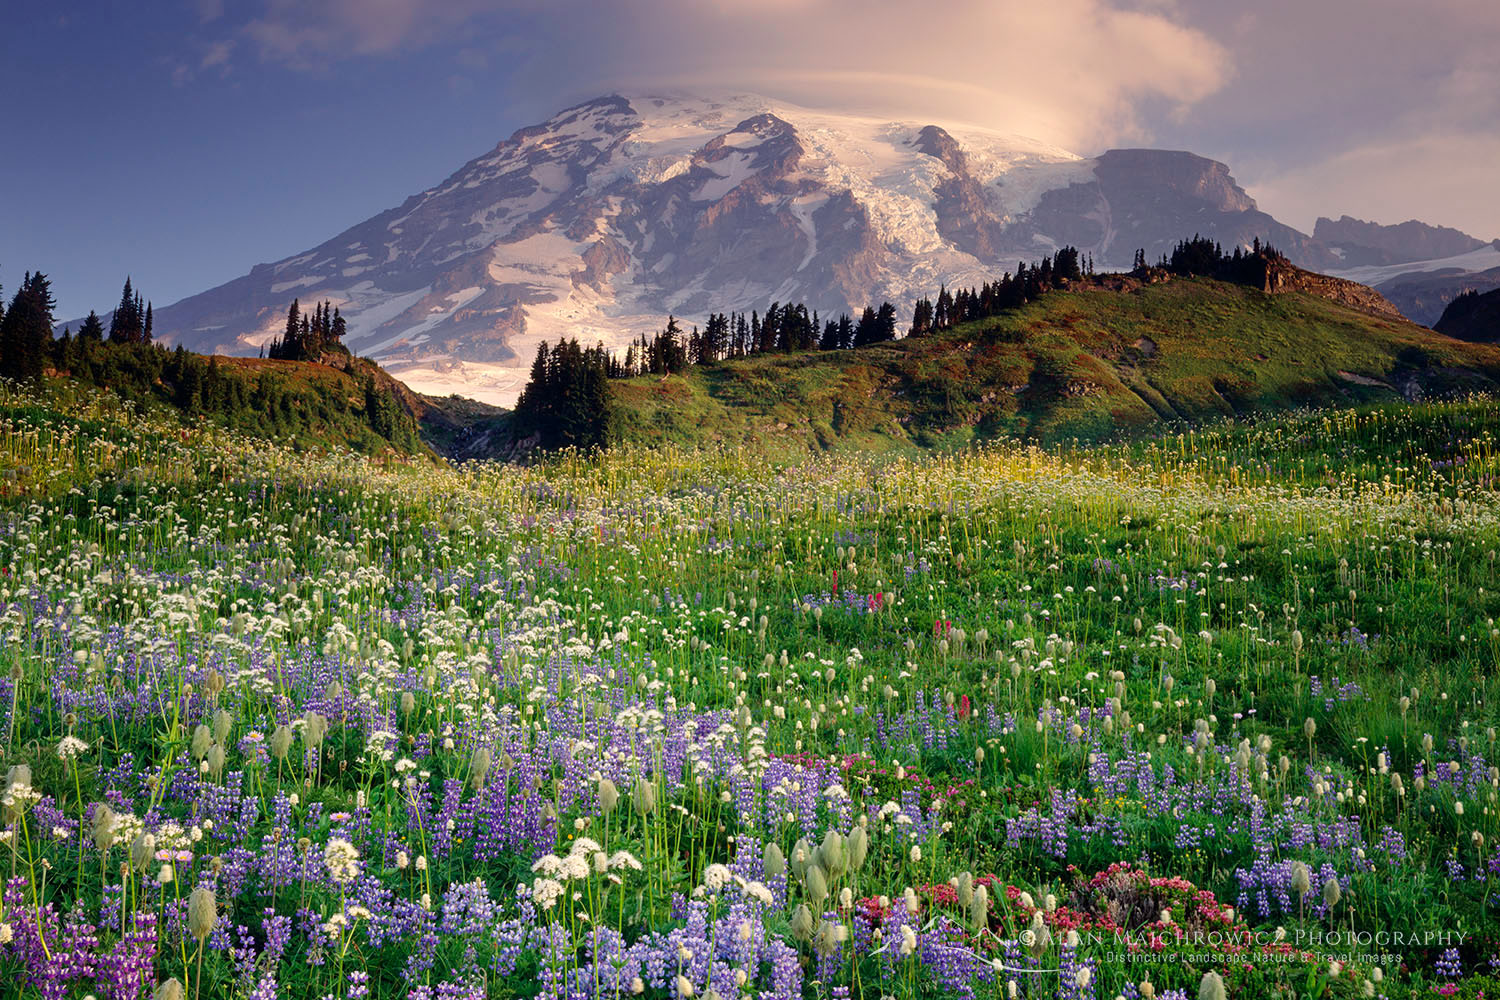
[1472, 316]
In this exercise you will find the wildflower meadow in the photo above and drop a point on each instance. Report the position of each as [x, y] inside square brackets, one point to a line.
[1204, 716]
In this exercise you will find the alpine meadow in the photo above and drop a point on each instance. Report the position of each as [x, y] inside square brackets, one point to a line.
[783, 527]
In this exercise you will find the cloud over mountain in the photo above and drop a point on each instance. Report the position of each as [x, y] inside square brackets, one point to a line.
[1073, 72]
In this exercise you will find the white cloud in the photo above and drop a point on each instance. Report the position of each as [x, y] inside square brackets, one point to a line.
[1383, 108]
[1075, 72]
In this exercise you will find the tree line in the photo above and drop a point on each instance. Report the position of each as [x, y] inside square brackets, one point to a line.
[729, 336]
[1205, 258]
[567, 400]
[127, 360]
[308, 336]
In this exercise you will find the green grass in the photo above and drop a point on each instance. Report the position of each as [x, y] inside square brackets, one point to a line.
[304, 404]
[1207, 593]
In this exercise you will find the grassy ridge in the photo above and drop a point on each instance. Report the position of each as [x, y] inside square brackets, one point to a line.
[339, 402]
[1088, 364]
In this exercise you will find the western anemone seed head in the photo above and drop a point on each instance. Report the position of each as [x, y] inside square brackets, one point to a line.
[142, 851]
[169, 990]
[203, 913]
[203, 738]
[802, 856]
[334, 691]
[979, 909]
[609, 796]
[830, 935]
[103, 825]
[1309, 728]
[858, 846]
[774, 861]
[802, 923]
[964, 886]
[816, 884]
[223, 725]
[684, 987]
[216, 759]
[19, 776]
[281, 742]
[1212, 987]
[1301, 878]
[479, 767]
[408, 703]
[831, 854]
[1331, 894]
[1041, 935]
[643, 798]
[314, 726]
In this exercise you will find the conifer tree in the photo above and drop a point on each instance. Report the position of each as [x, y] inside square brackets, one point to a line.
[127, 324]
[92, 329]
[26, 330]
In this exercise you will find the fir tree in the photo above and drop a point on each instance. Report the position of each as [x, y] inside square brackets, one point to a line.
[126, 324]
[92, 329]
[26, 329]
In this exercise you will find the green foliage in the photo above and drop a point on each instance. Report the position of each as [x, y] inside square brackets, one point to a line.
[567, 402]
[26, 329]
[131, 321]
[308, 337]
[355, 406]
[1186, 601]
[1106, 359]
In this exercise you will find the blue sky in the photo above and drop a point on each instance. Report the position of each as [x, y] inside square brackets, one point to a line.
[146, 161]
[184, 141]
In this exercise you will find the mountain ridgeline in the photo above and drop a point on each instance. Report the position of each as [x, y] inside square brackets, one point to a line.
[1052, 351]
[1055, 350]
[621, 210]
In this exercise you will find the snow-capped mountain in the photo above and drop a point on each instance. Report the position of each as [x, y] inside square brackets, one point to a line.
[612, 214]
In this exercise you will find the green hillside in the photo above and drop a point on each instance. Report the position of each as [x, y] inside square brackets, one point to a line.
[337, 402]
[1116, 357]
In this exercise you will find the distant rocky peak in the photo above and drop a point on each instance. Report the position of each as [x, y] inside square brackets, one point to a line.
[1363, 243]
[1186, 175]
[937, 143]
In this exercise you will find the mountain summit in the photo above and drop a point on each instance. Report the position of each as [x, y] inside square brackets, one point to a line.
[613, 213]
